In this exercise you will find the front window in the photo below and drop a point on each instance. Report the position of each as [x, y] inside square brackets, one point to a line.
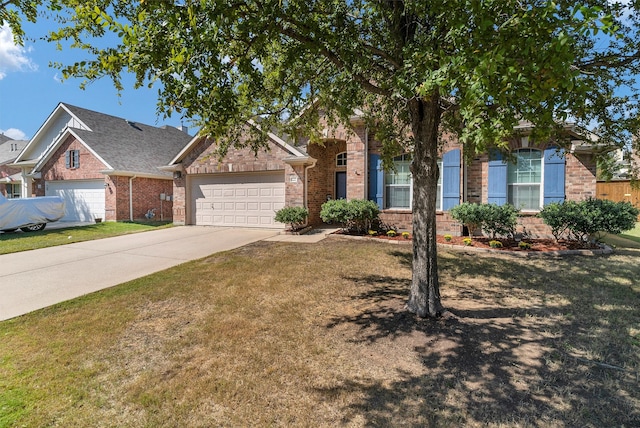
[524, 180]
[398, 184]
[72, 159]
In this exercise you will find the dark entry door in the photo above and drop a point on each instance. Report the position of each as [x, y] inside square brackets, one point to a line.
[341, 185]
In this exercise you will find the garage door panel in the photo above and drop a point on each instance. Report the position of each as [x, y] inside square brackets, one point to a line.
[237, 199]
[84, 199]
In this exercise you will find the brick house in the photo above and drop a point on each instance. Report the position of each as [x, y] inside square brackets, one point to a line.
[10, 179]
[245, 190]
[104, 166]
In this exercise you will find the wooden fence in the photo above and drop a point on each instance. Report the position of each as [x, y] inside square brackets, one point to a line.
[618, 191]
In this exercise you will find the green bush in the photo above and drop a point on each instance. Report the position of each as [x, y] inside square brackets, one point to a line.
[500, 220]
[293, 216]
[470, 215]
[587, 219]
[355, 215]
[491, 218]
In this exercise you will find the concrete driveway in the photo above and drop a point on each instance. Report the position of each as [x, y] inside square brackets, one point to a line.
[36, 279]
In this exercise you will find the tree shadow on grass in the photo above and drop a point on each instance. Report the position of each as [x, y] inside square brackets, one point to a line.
[521, 350]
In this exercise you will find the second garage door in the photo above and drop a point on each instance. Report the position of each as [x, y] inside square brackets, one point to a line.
[241, 200]
[84, 199]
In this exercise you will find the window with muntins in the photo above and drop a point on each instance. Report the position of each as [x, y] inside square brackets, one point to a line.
[341, 159]
[399, 185]
[524, 180]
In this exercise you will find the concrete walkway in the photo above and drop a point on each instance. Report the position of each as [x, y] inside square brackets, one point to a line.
[32, 280]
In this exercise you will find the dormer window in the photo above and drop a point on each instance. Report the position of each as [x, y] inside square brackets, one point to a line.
[341, 159]
[72, 159]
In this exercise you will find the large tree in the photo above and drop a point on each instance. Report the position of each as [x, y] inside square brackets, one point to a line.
[473, 68]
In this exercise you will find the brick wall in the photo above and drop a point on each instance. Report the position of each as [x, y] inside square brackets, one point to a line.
[146, 191]
[6, 171]
[146, 196]
[202, 160]
[322, 178]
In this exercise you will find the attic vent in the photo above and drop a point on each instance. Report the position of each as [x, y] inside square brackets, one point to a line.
[133, 125]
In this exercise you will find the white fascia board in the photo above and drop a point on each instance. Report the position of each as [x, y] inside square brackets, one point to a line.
[58, 142]
[278, 140]
[186, 149]
[43, 128]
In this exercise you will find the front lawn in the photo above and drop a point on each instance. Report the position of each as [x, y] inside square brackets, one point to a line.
[24, 241]
[283, 334]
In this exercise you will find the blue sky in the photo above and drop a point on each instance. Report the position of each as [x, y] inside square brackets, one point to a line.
[30, 89]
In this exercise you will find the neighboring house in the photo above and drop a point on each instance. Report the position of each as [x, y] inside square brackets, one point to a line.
[105, 167]
[245, 190]
[10, 178]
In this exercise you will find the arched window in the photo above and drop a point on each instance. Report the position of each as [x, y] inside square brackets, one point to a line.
[341, 159]
[524, 179]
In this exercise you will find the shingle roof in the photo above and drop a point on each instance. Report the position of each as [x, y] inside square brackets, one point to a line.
[6, 154]
[129, 146]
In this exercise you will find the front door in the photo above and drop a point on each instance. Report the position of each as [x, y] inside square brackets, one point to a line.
[341, 185]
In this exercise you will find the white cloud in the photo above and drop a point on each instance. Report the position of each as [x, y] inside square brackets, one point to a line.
[14, 134]
[12, 57]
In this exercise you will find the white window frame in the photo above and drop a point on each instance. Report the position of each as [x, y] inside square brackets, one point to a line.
[439, 200]
[540, 184]
[341, 159]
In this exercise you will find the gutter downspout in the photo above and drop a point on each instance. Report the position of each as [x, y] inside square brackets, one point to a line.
[131, 197]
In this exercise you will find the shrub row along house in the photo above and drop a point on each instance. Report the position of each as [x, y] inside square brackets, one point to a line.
[111, 168]
[245, 190]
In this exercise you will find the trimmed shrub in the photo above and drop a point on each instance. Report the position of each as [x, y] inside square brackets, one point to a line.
[355, 215]
[470, 215]
[500, 220]
[589, 218]
[293, 216]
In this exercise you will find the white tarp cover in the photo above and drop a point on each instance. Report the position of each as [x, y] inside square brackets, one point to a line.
[20, 212]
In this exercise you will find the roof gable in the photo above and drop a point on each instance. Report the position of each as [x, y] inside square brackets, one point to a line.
[121, 144]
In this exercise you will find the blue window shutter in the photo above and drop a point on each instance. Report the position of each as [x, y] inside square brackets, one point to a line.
[554, 175]
[376, 180]
[76, 158]
[450, 179]
[67, 159]
[497, 186]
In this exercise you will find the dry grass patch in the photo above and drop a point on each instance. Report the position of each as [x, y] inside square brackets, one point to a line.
[276, 334]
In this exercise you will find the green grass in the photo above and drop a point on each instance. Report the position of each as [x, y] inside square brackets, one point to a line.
[633, 234]
[23, 241]
[628, 239]
[282, 334]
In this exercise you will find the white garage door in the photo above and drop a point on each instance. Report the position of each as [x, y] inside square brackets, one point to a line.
[245, 200]
[84, 199]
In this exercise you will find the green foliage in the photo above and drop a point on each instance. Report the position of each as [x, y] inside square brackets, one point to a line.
[293, 216]
[491, 218]
[495, 244]
[355, 215]
[499, 220]
[467, 241]
[524, 245]
[470, 215]
[586, 219]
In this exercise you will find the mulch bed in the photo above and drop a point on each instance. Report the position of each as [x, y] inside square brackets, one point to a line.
[537, 244]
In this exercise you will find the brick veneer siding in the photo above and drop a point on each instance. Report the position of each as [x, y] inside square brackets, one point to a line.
[4, 169]
[146, 196]
[146, 191]
[322, 177]
[201, 159]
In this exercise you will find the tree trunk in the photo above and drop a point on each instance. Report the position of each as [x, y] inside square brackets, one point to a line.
[424, 299]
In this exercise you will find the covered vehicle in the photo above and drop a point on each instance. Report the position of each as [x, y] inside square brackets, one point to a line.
[29, 214]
